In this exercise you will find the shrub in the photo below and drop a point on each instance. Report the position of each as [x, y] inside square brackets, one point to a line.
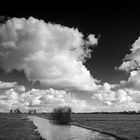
[61, 115]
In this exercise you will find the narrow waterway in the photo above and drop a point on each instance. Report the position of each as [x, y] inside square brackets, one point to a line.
[51, 131]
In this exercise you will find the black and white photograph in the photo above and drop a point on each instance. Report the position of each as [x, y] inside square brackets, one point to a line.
[70, 71]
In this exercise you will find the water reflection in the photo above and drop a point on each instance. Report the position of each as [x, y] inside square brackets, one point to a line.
[51, 131]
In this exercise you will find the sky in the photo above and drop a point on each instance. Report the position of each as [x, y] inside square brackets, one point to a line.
[84, 57]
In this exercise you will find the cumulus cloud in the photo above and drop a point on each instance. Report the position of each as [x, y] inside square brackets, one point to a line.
[133, 81]
[132, 60]
[10, 95]
[108, 95]
[51, 53]
[128, 66]
[7, 84]
[42, 100]
[131, 64]
[91, 40]
[126, 94]
[109, 98]
[117, 97]
[54, 55]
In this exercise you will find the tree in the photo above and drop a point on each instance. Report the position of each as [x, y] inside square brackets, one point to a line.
[11, 111]
[61, 115]
[32, 111]
[29, 112]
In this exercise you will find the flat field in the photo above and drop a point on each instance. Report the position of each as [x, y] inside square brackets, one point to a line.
[122, 126]
[17, 127]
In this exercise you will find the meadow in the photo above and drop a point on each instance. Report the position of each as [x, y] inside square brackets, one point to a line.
[17, 127]
[122, 126]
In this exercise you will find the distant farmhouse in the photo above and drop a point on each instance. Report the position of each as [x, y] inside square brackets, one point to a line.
[15, 111]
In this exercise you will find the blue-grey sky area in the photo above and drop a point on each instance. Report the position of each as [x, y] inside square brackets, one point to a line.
[87, 59]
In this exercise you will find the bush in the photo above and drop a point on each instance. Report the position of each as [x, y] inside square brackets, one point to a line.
[61, 115]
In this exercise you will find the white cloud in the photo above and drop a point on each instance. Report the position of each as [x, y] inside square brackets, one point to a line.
[50, 53]
[7, 84]
[117, 97]
[92, 40]
[51, 98]
[128, 66]
[55, 55]
[12, 95]
[131, 64]
[107, 97]
[112, 95]
[42, 100]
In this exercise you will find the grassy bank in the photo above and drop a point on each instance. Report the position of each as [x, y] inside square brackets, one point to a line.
[17, 127]
[125, 127]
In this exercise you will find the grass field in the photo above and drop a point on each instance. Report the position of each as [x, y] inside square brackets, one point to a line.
[17, 127]
[121, 126]
[125, 127]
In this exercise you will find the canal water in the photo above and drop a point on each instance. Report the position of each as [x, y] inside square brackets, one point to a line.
[51, 131]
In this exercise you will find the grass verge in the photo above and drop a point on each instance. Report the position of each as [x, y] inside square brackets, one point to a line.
[17, 127]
